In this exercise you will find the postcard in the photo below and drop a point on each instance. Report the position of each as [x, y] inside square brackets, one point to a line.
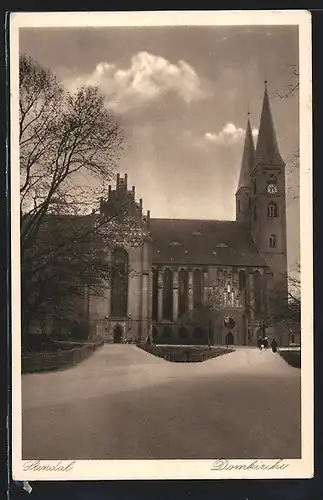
[162, 295]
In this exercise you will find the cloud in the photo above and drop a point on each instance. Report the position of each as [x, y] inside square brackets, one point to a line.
[147, 78]
[229, 134]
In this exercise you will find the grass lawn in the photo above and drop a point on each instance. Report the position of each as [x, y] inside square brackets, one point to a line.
[185, 354]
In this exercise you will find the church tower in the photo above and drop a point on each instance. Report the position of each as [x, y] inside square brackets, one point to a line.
[268, 198]
[244, 187]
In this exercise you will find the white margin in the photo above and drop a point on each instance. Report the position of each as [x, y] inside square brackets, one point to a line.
[173, 469]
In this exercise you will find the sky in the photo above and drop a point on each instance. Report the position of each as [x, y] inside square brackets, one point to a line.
[182, 96]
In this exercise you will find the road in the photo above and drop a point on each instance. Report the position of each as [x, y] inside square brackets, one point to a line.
[123, 403]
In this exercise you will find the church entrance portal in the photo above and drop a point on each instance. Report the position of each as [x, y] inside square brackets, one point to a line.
[229, 339]
[117, 335]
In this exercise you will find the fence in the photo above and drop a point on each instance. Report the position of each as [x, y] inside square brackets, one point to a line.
[49, 361]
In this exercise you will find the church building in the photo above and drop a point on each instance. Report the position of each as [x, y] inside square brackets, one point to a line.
[202, 281]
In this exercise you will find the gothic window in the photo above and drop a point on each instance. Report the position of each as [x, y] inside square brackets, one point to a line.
[155, 295]
[257, 281]
[272, 241]
[239, 206]
[154, 334]
[197, 288]
[254, 187]
[255, 213]
[168, 294]
[119, 283]
[183, 292]
[272, 210]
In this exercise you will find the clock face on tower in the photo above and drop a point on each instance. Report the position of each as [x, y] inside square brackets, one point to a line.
[272, 188]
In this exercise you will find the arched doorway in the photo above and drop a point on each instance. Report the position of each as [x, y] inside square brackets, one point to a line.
[229, 338]
[117, 335]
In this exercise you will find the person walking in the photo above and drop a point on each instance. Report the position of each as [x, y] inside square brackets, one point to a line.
[274, 345]
[266, 342]
[260, 343]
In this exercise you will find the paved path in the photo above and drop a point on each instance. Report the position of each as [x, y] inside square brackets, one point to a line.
[124, 403]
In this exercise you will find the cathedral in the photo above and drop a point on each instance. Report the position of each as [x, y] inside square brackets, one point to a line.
[202, 281]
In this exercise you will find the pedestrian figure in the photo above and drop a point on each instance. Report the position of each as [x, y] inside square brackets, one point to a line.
[274, 345]
[265, 342]
[260, 343]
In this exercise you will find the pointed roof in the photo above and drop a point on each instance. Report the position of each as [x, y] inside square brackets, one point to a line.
[248, 157]
[267, 151]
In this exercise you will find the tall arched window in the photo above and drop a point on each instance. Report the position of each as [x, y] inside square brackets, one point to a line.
[155, 295]
[168, 294]
[272, 210]
[119, 283]
[257, 282]
[197, 288]
[255, 213]
[183, 292]
[272, 241]
[183, 333]
[239, 206]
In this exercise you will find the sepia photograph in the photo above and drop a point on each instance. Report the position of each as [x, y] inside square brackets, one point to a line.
[161, 280]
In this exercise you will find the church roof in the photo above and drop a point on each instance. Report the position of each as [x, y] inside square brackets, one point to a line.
[248, 158]
[203, 242]
[267, 151]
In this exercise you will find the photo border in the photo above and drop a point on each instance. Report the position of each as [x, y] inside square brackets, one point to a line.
[174, 469]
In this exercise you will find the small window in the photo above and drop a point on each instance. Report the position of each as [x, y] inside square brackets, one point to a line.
[239, 206]
[272, 210]
[272, 241]
[254, 187]
[255, 213]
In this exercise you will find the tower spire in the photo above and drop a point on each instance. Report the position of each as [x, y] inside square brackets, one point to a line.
[267, 151]
[248, 156]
